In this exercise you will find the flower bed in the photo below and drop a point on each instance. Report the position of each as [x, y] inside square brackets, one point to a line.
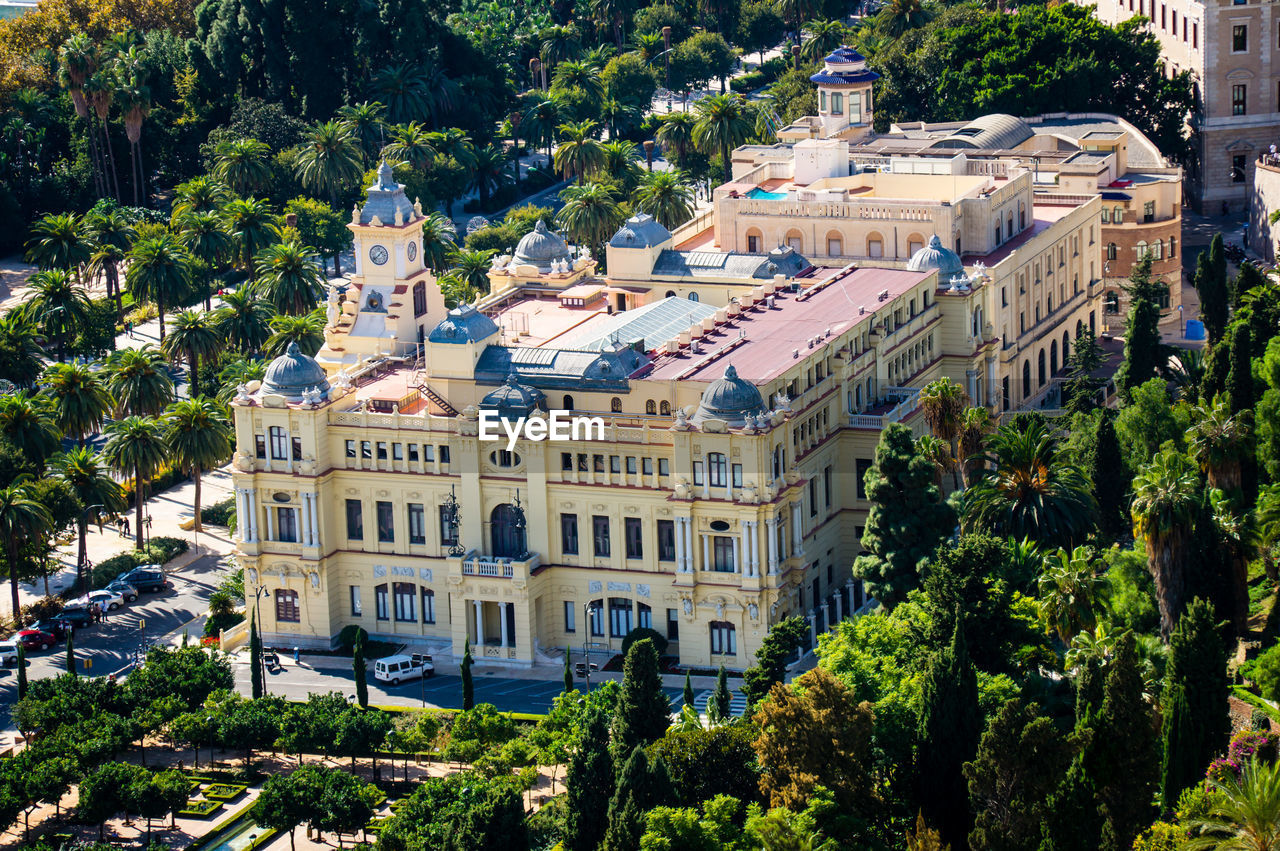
[224, 792]
[200, 809]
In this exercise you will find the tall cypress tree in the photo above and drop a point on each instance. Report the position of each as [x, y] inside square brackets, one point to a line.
[718, 706]
[568, 674]
[1110, 479]
[641, 787]
[255, 658]
[589, 785]
[1240, 373]
[947, 734]
[907, 520]
[468, 687]
[358, 669]
[1196, 721]
[688, 690]
[1143, 348]
[1081, 388]
[1211, 284]
[643, 713]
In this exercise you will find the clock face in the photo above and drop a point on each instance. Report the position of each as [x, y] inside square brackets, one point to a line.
[412, 251]
[378, 255]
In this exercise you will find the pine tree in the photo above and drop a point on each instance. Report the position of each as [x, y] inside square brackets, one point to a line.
[358, 669]
[688, 690]
[643, 712]
[641, 787]
[589, 785]
[1143, 350]
[947, 736]
[1081, 389]
[1240, 374]
[1106, 469]
[568, 674]
[908, 518]
[71, 655]
[255, 659]
[718, 705]
[22, 672]
[1211, 284]
[783, 639]
[1196, 721]
[468, 687]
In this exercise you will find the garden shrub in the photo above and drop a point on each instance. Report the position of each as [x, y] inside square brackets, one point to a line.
[658, 639]
[220, 513]
[1265, 672]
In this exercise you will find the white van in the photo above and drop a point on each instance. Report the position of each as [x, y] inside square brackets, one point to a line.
[395, 669]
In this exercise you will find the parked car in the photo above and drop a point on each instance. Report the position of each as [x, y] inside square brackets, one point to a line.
[58, 629]
[148, 577]
[8, 653]
[75, 616]
[394, 669]
[108, 600]
[34, 639]
[124, 589]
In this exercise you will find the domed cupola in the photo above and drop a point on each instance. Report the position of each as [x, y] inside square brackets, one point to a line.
[294, 373]
[730, 399]
[539, 248]
[464, 324]
[513, 400]
[844, 92]
[385, 199]
[935, 255]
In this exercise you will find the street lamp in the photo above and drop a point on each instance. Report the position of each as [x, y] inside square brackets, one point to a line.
[257, 618]
[146, 536]
[666, 53]
[518, 523]
[586, 633]
[452, 521]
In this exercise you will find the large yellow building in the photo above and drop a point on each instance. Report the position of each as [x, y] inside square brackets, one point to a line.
[740, 391]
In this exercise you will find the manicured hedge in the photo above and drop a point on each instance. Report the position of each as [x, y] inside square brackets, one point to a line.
[196, 808]
[160, 550]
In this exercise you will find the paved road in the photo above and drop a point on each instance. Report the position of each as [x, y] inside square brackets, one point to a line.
[508, 694]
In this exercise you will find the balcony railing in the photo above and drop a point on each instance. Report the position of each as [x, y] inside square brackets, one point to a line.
[497, 567]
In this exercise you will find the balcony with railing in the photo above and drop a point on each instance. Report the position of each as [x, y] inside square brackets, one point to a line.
[499, 567]
[902, 401]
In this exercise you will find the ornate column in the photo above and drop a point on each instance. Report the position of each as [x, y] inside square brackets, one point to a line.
[972, 376]
[797, 530]
[839, 598]
[853, 605]
[251, 498]
[502, 618]
[304, 522]
[479, 609]
[771, 525]
[680, 555]
[826, 615]
[315, 520]
[689, 564]
[739, 566]
[242, 516]
[270, 528]
[813, 628]
[706, 551]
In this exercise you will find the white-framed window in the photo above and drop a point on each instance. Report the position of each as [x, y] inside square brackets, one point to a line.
[716, 468]
[279, 443]
[619, 616]
[724, 639]
[356, 608]
[405, 600]
[570, 616]
[428, 606]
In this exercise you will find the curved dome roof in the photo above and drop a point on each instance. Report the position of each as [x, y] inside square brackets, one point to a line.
[844, 66]
[997, 131]
[539, 247]
[464, 324]
[730, 399]
[292, 373]
[640, 231]
[513, 400]
[935, 255]
[384, 198]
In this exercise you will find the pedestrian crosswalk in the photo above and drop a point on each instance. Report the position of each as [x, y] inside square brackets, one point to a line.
[737, 702]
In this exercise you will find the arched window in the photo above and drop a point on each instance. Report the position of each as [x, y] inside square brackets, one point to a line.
[665, 409]
[1053, 358]
[1041, 375]
[671, 294]
[568, 402]
[835, 244]
[693, 296]
[795, 241]
[915, 242]
[724, 639]
[1066, 348]
[428, 606]
[1173, 248]
[650, 408]
[755, 241]
[1079, 328]
[506, 532]
[875, 245]
[1111, 251]
[1141, 248]
[1026, 379]
[615, 405]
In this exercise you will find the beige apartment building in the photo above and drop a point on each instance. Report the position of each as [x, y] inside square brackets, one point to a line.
[1232, 49]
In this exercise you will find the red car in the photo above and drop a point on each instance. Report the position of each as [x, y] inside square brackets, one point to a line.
[34, 639]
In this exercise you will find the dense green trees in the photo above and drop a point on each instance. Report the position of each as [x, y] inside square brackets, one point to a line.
[1194, 722]
[643, 712]
[782, 640]
[947, 737]
[1144, 356]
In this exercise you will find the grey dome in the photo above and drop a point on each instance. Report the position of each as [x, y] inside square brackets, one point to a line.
[293, 373]
[640, 231]
[935, 255]
[539, 247]
[996, 131]
[513, 400]
[385, 198]
[464, 324]
[729, 399]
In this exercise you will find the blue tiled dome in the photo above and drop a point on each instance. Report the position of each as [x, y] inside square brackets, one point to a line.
[935, 255]
[292, 373]
[539, 247]
[729, 399]
[464, 324]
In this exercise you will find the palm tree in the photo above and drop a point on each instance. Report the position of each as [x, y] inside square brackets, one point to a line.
[1238, 528]
[1244, 814]
[307, 330]
[242, 320]
[541, 119]
[455, 144]
[194, 336]
[472, 268]
[665, 196]
[1221, 442]
[22, 519]
[139, 381]
[1166, 499]
[58, 306]
[200, 438]
[159, 272]
[78, 58]
[203, 194]
[406, 90]
[618, 116]
[722, 125]
[438, 241]
[1069, 588]
[84, 472]
[410, 143]
[237, 372]
[824, 37]
[1032, 492]
[112, 234]
[611, 14]
[943, 402]
[252, 226]
[589, 215]
[675, 133]
[578, 154]
[560, 44]
[135, 105]
[59, 241]
[330, 160]
[28, 423]
[21, 355]
[136, 447]
[244, 165]
[579, 75]
[289, 277]
[490, 173]
[795, 12]
[937, 453]
[100, 92]
[80, 399]
[204, 233]
[975, 425]
[648, 45]
[366, 122]
[898, 16]
[621, 162]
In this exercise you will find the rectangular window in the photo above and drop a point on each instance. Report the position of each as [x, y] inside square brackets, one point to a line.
[1239, 38]
[259, 446]
[724, 641]
[295, 448]
[279, 445]
[597, 463]
[753, 244]
[428, 452]
[615, 464]
[569, 534]
[1238, 168]
[428, 606]
[863, 465]
[813, 497]
[397, 452]
[382, 450]
[644, 616]
[716, 466]
[356, 608]
[646, 466]
[355, 520]
[631, 465]
[837, 103]
[419, 299]
[1239, 104]
[631, 531]
[600, 535]
[597, 618]
[570, 617]
[698, 476]
[417, 523]
[351, 449]
[405, 599]
[736, 477]
[413, 452]
[673, 625]
[287, 606]
[664, 467]
[448, 533]
[1149, 212]
[383, 611]
[366, 449]
[287, 525]
[619, 616]
[444, 455]
[386, 523]
[666, 540]
[826, 486]
[1195, 35]
[722, 554]
[835, 247]
[1106, 215]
